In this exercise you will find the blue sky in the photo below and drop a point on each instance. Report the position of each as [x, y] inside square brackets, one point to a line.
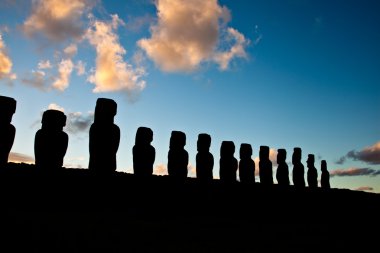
[277, 73]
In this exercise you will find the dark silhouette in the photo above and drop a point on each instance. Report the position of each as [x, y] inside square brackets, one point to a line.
[246, 164]
[298, 168]
[265, 166]
[144, 153]
[178, 158]
[228, 163]
[7, 130]
[325, 176]
[204, 159]
[104, 137]
[282, 174]
[50, 143]
[312, 174]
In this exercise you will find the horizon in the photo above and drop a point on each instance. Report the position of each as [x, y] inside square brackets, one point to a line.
[285, 75]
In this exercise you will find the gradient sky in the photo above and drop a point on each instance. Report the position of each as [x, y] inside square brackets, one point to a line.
[278, 73]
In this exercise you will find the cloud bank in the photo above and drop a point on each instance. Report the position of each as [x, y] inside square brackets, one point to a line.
[364, 188]
[20, 158]
[188, 33]
[354, 172]
[112, 73]
[57, 20]
[370, 155]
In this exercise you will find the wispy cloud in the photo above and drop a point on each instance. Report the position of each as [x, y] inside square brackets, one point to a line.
[370, 155]
[20, 158]
[65, 67]
[44, 64]
[36, 79]
[57, 20]
[5, 63]
[354, 172]
[364, 188]
[112, 72]
[188, 33]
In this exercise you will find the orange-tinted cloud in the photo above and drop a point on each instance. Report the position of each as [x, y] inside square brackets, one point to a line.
[160, 169]
[188, 33]
[5, 62]
[112, 72]
[65, 67]
[20, 158]
[364, 188]
[57, 20]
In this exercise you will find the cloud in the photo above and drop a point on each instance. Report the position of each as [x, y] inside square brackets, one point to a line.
[71, 50]
[136, 24]
[370, 155]
[20, 158]
[76, 122]
[54, 106]
[44, 64]
[354, 172]
[36, 79]
[341, 160]
[364, 188]
[5, 63]
[160, 169]
[80, 68]
[188, 33]
[192, 172]
[65, 67]
[57, 20]
[112, 73]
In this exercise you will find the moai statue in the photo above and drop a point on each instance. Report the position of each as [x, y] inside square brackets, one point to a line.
[50, 143]
[246, 164]
[312, 174]
[298, 168]
[282, 174]
[7, 130]
[104, 137]
[178, 158]
[144, 153]
[325, 177]
[265, 166]
[228, 163]
[204, 159]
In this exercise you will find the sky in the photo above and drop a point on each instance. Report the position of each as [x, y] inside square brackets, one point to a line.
[284, 74]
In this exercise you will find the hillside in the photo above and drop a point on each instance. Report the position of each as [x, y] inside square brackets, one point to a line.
[75, 211]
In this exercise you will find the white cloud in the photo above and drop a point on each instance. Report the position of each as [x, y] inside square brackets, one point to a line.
[160, 169]
[36, 80]
[54, 106]
[188, 33]
[65, 68]
[112, 72]
[81, 68]
[44, 64]
[20, 158]
[57, 20]
[71, 50]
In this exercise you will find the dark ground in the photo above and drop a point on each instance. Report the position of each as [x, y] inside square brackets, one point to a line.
[74, 211]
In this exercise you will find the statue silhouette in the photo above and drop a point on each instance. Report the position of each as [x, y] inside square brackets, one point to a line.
[204, 159]
[325, 176]
[7, 130]
[178, 158]
[265, 166]
[228, 163]
[246, 164]
[282, 174]
[298, 168]
[312, 174]
[104, 137]
[50, 143]
[143, 152]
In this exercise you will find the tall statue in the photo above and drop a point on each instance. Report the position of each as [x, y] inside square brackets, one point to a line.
[282, 174]
[204, 159]
[312, 174]
[265, 166]
[325, 176]
[7, 130]
[178, 158]
[104, 137]
[228, 163]
[298, 169]
[50, 143]
[144, 153]
[246, 164]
